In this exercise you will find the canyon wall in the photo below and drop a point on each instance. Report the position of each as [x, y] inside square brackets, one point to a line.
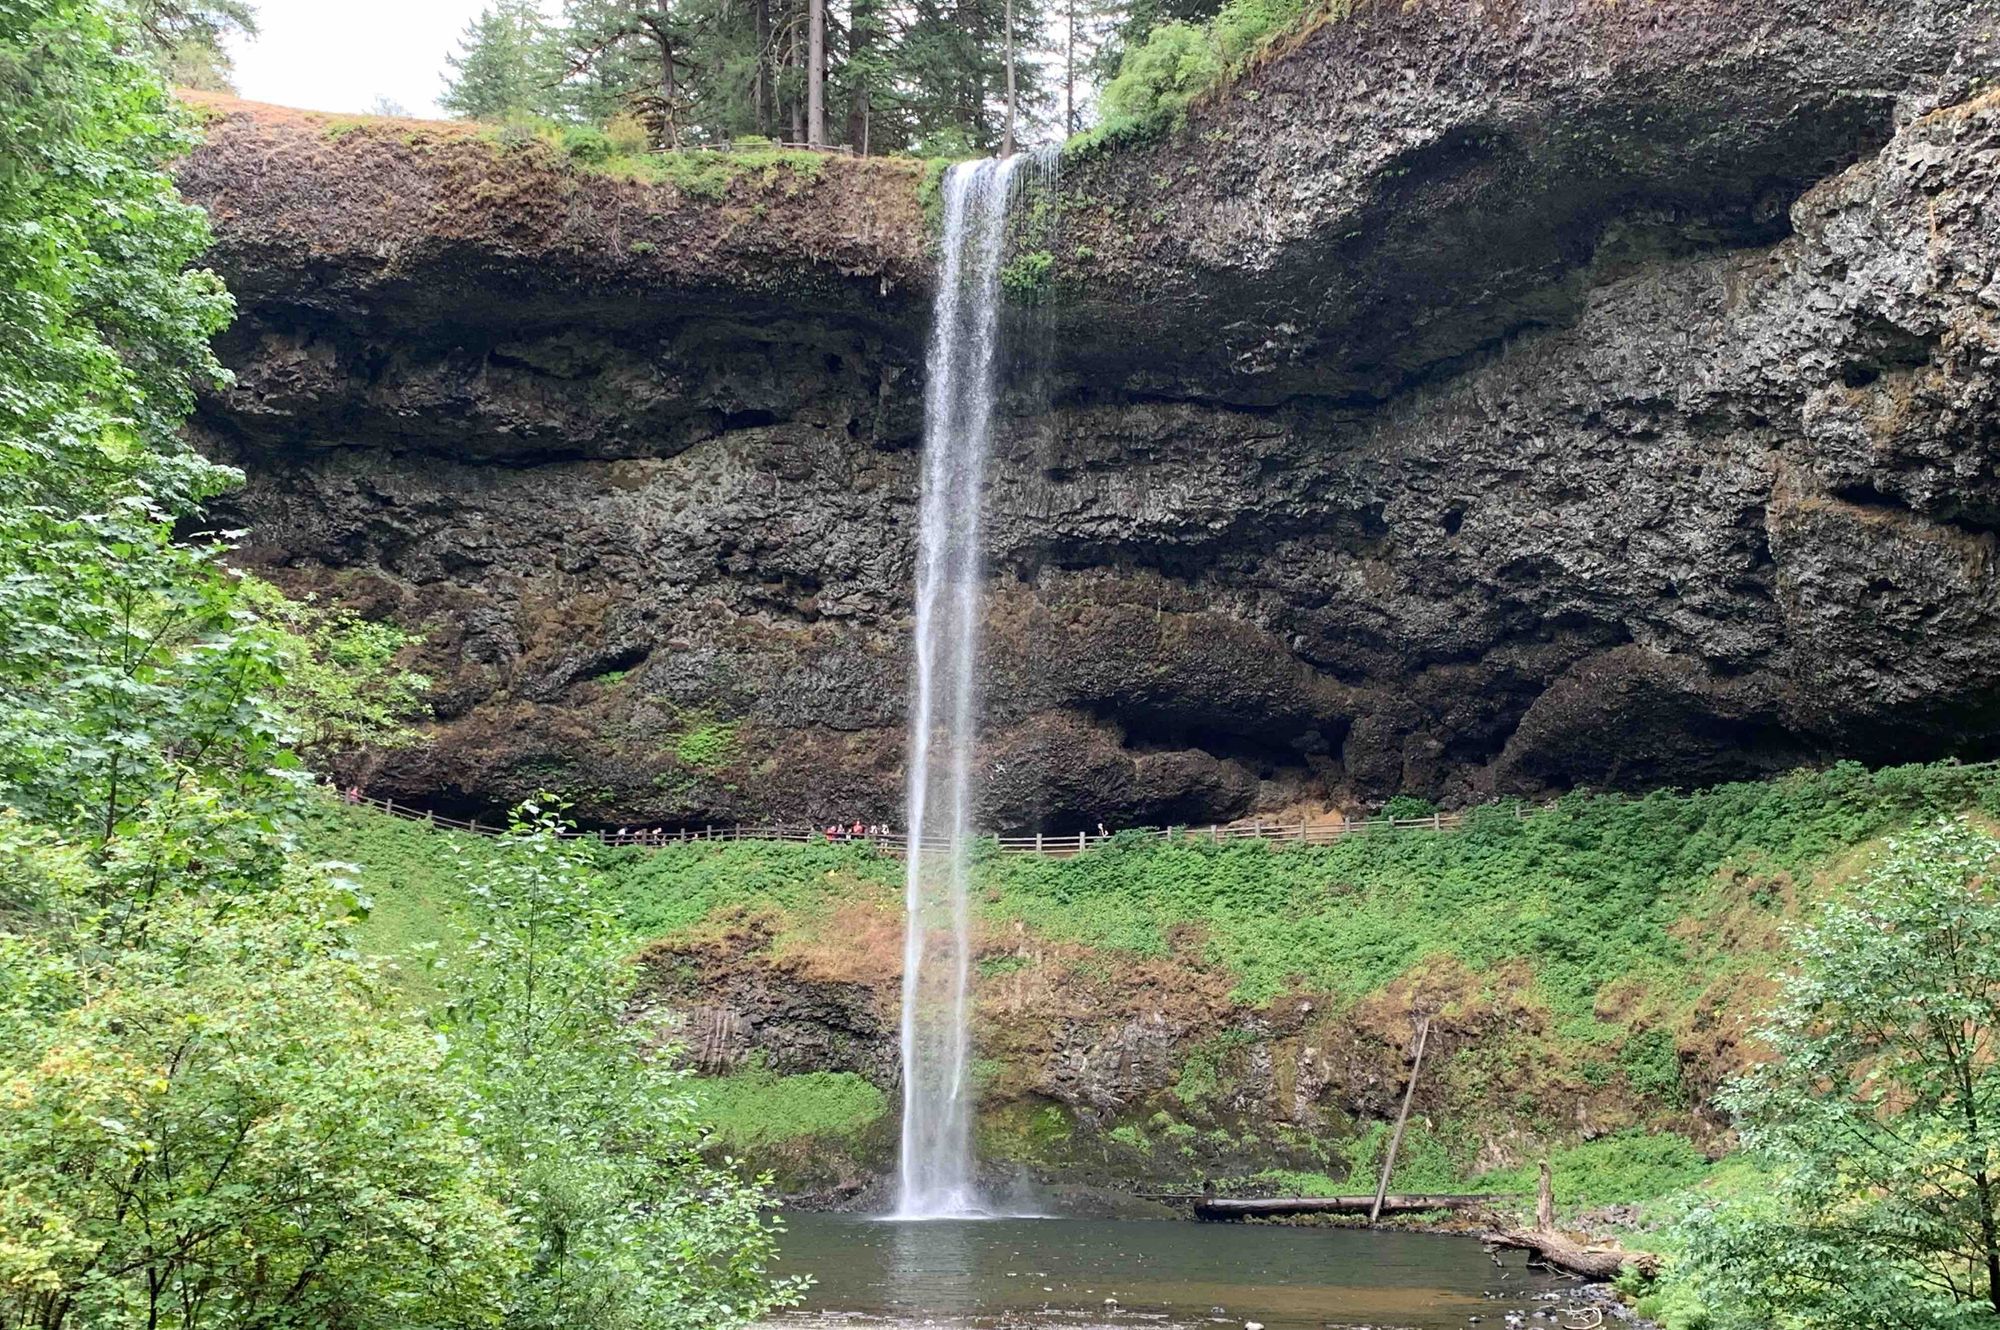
[1471, 399]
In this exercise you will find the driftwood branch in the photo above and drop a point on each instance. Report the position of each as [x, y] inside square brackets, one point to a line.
[1597, 1263]
[1230, 1208]
[1402, 1117]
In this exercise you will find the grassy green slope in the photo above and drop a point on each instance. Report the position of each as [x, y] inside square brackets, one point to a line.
[1627, 923]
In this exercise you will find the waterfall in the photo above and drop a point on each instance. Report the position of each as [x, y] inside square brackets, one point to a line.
[936, 1175]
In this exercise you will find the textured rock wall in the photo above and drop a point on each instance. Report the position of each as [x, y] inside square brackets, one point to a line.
[1478, 398]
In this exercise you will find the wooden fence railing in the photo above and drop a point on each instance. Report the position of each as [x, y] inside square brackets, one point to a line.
[762, 145]
[1051, 844]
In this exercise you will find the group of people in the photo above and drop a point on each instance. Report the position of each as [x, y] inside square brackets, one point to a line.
[644, 836]
[859, 831]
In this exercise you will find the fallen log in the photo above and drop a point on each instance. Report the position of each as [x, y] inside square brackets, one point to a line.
[1597, 1263]
[1220, 1208]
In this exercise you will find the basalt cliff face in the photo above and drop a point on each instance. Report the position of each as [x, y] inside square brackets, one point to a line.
[1471, 399]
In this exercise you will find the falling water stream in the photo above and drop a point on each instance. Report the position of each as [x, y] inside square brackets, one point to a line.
[1068, 1274]
[936, 1174]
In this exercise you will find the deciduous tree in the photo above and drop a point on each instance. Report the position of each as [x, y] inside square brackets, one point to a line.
[1879, 1110]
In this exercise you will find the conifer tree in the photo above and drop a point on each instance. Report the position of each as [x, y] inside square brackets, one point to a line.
[638, 56]
[508, 66]
[184, 39]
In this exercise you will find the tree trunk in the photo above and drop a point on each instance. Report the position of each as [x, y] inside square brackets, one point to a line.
[1069, 70]
[816, 76]
[669, 94]
[860, 39]
[1007, 139]
[972, 87]
[796, 61]
[761, 88]
[1545, 1201]
[1599, 1264]
[1226, 1208]
[1402, 1119]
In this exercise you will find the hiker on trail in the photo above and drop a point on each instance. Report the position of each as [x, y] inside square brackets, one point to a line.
[1101, 832]
[857, 829]
[354, 794]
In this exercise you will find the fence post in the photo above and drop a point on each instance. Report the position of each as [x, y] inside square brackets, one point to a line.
[1038, 842]
[1437, 821]
[430, 817]
[473, 824]
[389, 807]
[1214, 834]
[1080, 841]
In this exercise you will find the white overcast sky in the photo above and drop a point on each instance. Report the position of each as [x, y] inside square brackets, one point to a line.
[340, 55]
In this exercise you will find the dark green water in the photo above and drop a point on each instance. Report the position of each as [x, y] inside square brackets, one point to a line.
[1062, 1272]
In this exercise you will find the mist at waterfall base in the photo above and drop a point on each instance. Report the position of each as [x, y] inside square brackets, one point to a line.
[935, 1176]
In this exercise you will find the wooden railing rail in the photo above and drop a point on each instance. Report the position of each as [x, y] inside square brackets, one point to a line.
[765, 145]
[1054, 845]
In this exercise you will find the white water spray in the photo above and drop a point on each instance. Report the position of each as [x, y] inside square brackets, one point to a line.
[936, 1175]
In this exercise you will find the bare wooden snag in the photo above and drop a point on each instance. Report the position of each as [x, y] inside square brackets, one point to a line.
[1402, 1118]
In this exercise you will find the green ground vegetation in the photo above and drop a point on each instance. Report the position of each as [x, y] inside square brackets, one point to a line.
[215, 1111]
[620, 149]
[1616, 912]
[1593, 891]
[756, 1108]
[1179, 62]
[1589, 891]
[1630, 1168]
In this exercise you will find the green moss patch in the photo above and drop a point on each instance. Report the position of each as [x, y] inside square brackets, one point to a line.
[757, 1109]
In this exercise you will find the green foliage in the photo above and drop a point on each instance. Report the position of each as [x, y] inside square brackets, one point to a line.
[1408, 806]
[413, 877]
[1131, 1138]
[1201, 1075]
[706, 745]
[709, 72]
[1879, 1112]
[126, 679]
[1626, 1168]
[1427, 1161]
[220, 1127]
[1652, 1067]
[585, 143]
[185, 39]
[106, 330]
[593, 1127]
[711, 175]
[1162, 75]
[1294, 1182]
[1025, 277]
[1177, 62]
[510, 65]
[672, 889]
[210, 1116]
[1587, 891]
[756, 1108]
[930, 192]
[342, 688]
